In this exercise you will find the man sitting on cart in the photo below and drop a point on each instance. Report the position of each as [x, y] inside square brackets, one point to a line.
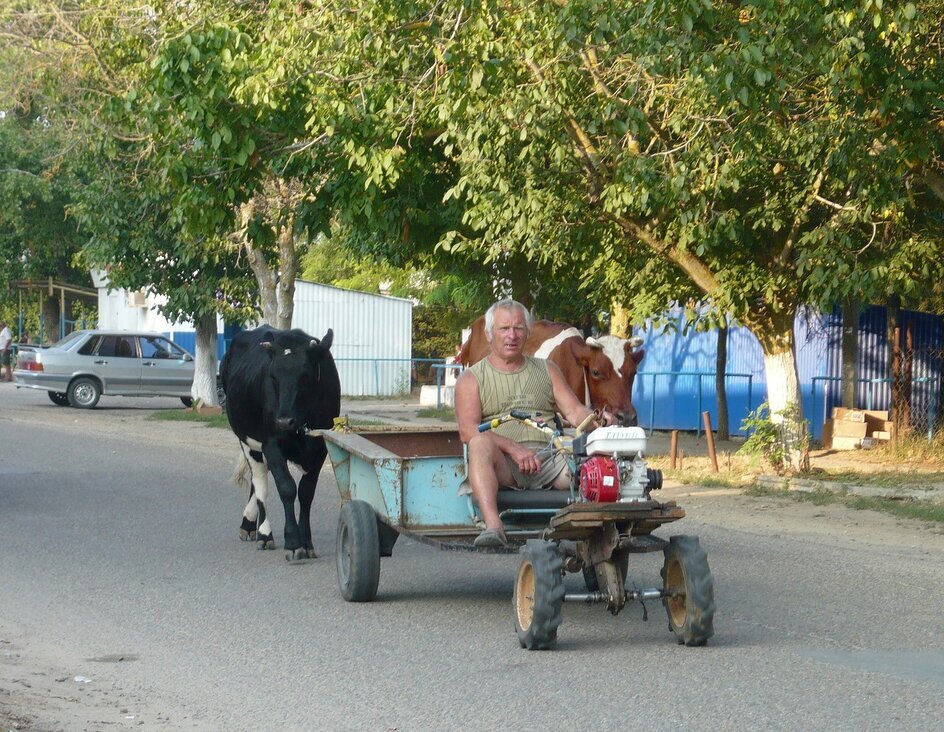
[512, 454]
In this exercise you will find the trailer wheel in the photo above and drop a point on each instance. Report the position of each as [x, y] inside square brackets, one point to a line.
[358, 552]
[689, 588]
[539, 595]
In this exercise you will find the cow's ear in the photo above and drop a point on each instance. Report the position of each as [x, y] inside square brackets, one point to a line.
[327, 340]
[637, 355]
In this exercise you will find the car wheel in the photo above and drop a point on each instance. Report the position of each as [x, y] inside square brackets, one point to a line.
[84, 393]
[59, 398]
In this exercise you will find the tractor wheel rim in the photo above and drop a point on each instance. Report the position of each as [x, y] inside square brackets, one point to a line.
[675, 588]
[524, 595]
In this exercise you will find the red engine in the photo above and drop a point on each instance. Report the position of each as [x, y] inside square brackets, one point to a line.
[599, 480]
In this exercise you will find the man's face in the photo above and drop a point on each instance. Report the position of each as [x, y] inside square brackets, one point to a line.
[509, 333]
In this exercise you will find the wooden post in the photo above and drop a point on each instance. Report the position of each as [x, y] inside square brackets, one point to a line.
[681, 458]
[673, 449]
[706, 418]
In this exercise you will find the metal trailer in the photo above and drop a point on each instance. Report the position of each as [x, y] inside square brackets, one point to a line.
[414, 483]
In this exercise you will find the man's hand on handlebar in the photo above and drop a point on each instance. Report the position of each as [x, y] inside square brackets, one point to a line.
[526, 460]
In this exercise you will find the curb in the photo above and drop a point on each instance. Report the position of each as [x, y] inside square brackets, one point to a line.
[810, 485]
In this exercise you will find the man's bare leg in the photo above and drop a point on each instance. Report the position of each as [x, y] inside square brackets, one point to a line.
[487, 471]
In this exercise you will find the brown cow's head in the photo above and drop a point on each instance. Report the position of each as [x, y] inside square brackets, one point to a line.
[605, 384]
[625, 359]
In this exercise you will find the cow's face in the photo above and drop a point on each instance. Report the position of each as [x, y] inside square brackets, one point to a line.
[295, 375]
[611, 372]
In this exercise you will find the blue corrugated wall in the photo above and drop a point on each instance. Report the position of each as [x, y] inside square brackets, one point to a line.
[667, 398]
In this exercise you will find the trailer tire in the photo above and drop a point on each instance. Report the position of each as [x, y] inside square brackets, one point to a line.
[689, 587]
[539, 595]
[358, 552]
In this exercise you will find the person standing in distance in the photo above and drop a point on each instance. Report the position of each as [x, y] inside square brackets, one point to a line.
[512, 454]
[6, 341]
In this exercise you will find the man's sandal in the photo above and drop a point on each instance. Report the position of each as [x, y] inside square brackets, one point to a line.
[491, 538]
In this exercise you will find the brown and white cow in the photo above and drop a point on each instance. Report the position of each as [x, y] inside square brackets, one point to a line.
[602, 371]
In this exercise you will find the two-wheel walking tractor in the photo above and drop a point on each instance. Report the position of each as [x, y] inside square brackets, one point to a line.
[414, 483]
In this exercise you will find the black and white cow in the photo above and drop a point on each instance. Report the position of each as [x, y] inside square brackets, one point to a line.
[280, 384]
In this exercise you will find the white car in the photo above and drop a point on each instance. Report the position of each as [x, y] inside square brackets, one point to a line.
[85, 364]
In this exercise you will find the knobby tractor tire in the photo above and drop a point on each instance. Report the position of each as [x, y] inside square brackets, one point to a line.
[689, 588]
[358, 552]
[539, 595]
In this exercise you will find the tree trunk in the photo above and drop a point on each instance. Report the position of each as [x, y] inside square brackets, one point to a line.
[204, 372]
[783, 389]
[850, 352]
[267, 279]
[288, 266]
[721, 392]
[50, 315]
[619, 321]
[521, 275]
[893, 308]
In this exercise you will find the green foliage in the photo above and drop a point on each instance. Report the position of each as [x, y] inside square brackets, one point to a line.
[575, 153]
[38, 239]
[772, 436]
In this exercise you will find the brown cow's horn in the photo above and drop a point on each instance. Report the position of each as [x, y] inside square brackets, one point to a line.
[593, 342]
[635, 342]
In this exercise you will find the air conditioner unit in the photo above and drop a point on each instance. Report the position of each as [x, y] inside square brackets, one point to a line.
[137, 299]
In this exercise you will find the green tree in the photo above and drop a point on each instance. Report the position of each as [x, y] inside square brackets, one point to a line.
[759, 155]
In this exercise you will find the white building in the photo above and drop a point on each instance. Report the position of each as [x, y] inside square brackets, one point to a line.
[373, 334]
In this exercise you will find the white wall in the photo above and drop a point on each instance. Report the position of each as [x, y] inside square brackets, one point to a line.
[373, 336]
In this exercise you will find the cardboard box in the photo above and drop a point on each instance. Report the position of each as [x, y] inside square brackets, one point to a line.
[842, 428]
[846, 443]
[881, 435]
[848, 415]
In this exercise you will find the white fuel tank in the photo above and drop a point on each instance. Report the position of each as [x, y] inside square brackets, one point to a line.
[616, 440]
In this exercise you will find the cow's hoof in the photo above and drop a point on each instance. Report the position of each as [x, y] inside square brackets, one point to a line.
[299, 555]
[247, 535]
[265, 543]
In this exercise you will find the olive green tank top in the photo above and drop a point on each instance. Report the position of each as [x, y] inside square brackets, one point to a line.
[528, 389]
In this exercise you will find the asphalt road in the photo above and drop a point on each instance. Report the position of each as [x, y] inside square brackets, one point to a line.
[119, 555]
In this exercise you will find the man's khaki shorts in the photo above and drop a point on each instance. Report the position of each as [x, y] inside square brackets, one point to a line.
[552, 463]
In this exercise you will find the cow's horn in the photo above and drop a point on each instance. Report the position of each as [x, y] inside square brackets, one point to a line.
[267, 345]
[635, 342]
[313, 342]
[593, 342]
